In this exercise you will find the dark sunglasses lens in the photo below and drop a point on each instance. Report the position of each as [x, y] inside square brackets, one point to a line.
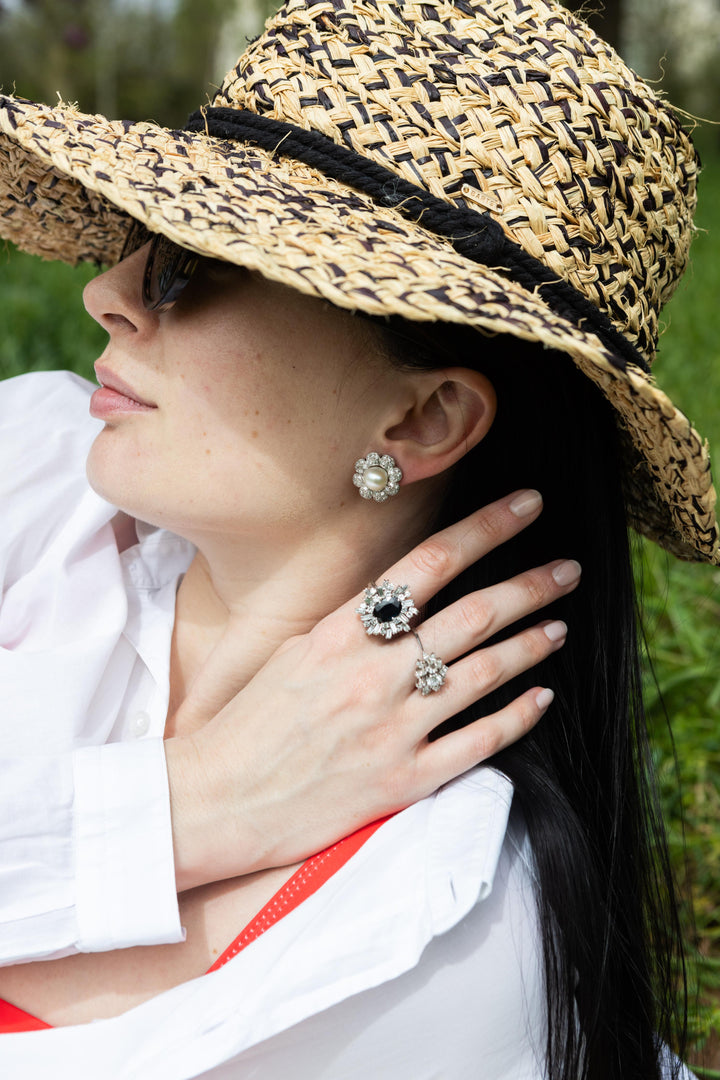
[136, 237]
[168, 269]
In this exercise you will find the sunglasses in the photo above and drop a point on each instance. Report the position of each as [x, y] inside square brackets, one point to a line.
[168, 269]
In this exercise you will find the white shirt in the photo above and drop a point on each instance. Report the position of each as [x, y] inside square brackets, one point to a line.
[418, 959]
[84, 661]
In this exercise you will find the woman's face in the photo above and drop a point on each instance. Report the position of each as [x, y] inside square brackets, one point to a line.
[261, 400]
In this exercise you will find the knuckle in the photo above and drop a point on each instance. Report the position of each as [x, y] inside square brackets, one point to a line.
[476, 616]
[489, 525]
[527, 714]
[537, 588]
[537, 645]
[433, 558]
[288, 645]
[485, 669]
[487, 741]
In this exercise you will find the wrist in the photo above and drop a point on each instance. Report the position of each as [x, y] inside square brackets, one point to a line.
[213, 837]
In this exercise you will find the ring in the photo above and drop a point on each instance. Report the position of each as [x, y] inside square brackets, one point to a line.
[430, 673]
[386, 609]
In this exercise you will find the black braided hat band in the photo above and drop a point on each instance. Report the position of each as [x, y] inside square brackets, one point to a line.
[475, 236]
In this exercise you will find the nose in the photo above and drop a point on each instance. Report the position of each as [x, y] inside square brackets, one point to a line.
[114, 298]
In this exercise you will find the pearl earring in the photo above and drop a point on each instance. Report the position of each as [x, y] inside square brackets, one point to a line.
[377, 476]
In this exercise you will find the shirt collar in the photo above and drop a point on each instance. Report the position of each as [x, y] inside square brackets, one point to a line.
[152, 570]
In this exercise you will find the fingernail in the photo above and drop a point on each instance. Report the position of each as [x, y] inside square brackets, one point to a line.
[526, 503]
[556, 631]
[567, 573]
[544, 699]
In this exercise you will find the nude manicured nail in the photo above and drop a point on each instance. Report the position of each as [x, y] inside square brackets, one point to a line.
[567, 573]
[556, 631]
[544, 699]
[526, 503]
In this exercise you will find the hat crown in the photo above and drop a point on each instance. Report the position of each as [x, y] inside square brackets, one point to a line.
[524, 113]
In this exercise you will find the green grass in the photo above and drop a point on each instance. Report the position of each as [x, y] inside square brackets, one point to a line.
[688, 363]
[44, 326]
[682, 621]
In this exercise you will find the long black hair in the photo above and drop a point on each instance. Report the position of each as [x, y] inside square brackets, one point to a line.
[612, 947]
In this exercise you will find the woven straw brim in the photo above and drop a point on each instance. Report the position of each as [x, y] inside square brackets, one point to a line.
[68, 180]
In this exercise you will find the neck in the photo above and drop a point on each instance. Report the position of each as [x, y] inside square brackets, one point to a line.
[240, 601]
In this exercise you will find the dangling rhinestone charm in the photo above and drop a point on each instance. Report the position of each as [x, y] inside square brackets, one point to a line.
[377, 477]
[386, 609]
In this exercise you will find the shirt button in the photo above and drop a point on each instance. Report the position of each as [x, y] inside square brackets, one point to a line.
[140, 724]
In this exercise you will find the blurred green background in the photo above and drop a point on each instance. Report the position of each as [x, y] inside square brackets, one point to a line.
[160, 59]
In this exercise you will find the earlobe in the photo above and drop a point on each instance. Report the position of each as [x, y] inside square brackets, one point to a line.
[451, 414]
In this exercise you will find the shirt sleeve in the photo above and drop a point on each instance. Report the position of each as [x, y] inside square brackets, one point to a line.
[86, 860]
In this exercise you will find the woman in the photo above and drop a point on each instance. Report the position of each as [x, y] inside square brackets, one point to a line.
[505, 206]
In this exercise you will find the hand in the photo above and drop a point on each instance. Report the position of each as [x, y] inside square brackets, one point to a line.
[331, 733]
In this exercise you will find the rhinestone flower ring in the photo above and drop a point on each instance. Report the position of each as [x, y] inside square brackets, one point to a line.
[386, 609]
[430, 673]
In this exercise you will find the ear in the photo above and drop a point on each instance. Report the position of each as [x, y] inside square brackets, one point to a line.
[451, 412]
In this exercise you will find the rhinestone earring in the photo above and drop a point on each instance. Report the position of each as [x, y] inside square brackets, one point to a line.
[377, 476]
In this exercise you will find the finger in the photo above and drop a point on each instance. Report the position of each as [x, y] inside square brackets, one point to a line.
[473, 619]
[453, 754]
[440, 558]
[476, 675]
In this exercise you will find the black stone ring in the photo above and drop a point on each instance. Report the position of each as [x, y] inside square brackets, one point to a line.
[386, 610]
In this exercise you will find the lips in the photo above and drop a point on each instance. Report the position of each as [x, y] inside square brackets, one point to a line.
[110, 381]
[115, 399]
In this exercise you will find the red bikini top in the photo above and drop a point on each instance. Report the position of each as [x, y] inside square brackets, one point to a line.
[312, 874]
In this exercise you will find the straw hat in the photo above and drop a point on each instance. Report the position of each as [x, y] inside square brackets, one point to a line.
[486, 162]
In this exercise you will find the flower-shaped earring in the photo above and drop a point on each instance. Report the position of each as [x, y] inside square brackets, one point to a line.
[377, 476]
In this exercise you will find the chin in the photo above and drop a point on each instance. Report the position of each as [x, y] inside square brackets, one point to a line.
[134, 490]
[98, 474]
[116, 482]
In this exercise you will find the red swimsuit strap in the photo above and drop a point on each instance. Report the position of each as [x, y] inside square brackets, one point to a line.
[313, 873]
[14, 1019]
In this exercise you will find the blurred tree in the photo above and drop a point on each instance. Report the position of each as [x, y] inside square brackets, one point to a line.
[678, 42]
[605, 17]
[46, 43]
[195, 31]
[149, 61]
[160, 59]
[673, 43]
[243, 21]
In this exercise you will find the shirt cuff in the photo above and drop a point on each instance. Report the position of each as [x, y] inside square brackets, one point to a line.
[125, 874]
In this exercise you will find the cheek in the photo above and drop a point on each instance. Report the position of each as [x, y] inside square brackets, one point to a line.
[220, 386]
[279, 400]
[278, 423]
